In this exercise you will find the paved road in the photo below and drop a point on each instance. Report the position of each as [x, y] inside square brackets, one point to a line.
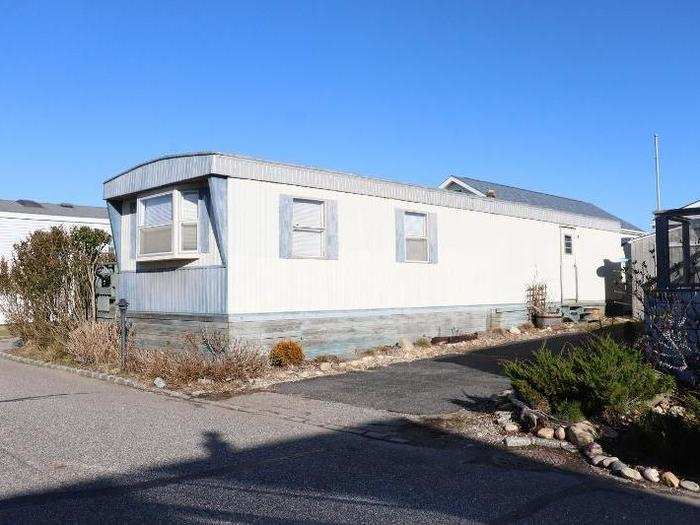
[428, 386]
[75, 450]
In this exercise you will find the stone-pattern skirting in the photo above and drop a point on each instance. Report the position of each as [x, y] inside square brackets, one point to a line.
[339, 333]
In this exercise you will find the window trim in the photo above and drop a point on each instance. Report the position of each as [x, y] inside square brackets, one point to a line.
[141, 216]
[321, 231]
[425, 237]
[182, 222]
[176, 251]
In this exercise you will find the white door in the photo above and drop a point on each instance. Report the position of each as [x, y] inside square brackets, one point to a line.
[569, 275]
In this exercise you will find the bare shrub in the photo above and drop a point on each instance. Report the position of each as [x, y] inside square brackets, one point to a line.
[286, 353]
[536, 298]
[422, 342]
[209, 355]
[327, 358]
[93, 343]
[672, 323]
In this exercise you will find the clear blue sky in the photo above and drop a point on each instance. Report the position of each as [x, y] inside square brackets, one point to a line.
[553, 97]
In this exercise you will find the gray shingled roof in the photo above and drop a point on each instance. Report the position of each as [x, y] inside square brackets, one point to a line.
[46, 208]
[544, 200]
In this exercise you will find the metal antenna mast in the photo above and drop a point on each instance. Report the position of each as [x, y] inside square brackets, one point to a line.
[657, 171]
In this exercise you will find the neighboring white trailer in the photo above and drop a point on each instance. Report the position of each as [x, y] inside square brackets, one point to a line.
[20, 218]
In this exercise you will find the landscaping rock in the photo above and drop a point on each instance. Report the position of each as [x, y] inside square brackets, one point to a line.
[517, 441]
[325, 367]
[547, 443]
[515, 330]
[592, 449]
[597, 460]
[579, 435]
[609, 461]
[618, 466]
[528, 419]
[670, 480]
[545, 432]
[159, 382]
[690, 485]
[651, 474]
[511, 428]
[560, 433]
[502, 415]
[630, 473]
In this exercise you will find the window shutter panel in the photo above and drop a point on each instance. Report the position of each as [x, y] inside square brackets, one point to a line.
[331, 208]
[285, 226]
[133, 230]
[432, 238]
[400, 236]
[203, 221]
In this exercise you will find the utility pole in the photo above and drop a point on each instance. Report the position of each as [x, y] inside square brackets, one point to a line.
[657, 171]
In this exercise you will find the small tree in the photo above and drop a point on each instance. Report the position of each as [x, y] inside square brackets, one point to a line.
[47, 286]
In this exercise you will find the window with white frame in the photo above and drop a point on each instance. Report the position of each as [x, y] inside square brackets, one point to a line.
[156, 225]
[189, 216]
[169, 225]
[416, 236]
[308, 228]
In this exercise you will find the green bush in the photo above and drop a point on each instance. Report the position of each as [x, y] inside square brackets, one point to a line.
[530, 395]
[614, 379]
[549, 374]
[568, 411]
[601, 378]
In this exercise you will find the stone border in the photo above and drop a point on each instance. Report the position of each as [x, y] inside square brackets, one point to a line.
[93, 374]
[368, 433]
[577, 437]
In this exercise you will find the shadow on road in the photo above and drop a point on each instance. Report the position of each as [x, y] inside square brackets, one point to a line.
[336, 476]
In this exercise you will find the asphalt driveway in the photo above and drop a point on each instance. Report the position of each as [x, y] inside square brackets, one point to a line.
[427, 386]
[77, 450]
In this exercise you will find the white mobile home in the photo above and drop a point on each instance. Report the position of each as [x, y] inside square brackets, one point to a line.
[21, 217]
[272, 250]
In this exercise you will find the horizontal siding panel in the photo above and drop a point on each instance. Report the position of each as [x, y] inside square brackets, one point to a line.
[185, 291]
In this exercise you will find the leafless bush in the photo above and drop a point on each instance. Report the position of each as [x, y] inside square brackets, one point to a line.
[93, 343]
[672, 322]
[209, 355]
[536, 298]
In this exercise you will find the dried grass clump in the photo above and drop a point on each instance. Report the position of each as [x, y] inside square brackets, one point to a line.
[286, 353]
[422, 342]
[93, 343]
[327, 358]
[210, 355]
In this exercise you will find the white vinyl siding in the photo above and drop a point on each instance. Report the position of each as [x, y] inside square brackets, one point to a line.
[156, 231]
[416, 237]
[307, 228]
[189, 215]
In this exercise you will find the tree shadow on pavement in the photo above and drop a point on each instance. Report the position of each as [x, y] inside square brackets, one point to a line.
[328, 477]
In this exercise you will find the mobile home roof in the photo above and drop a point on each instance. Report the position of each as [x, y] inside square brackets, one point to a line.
[178, 168]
